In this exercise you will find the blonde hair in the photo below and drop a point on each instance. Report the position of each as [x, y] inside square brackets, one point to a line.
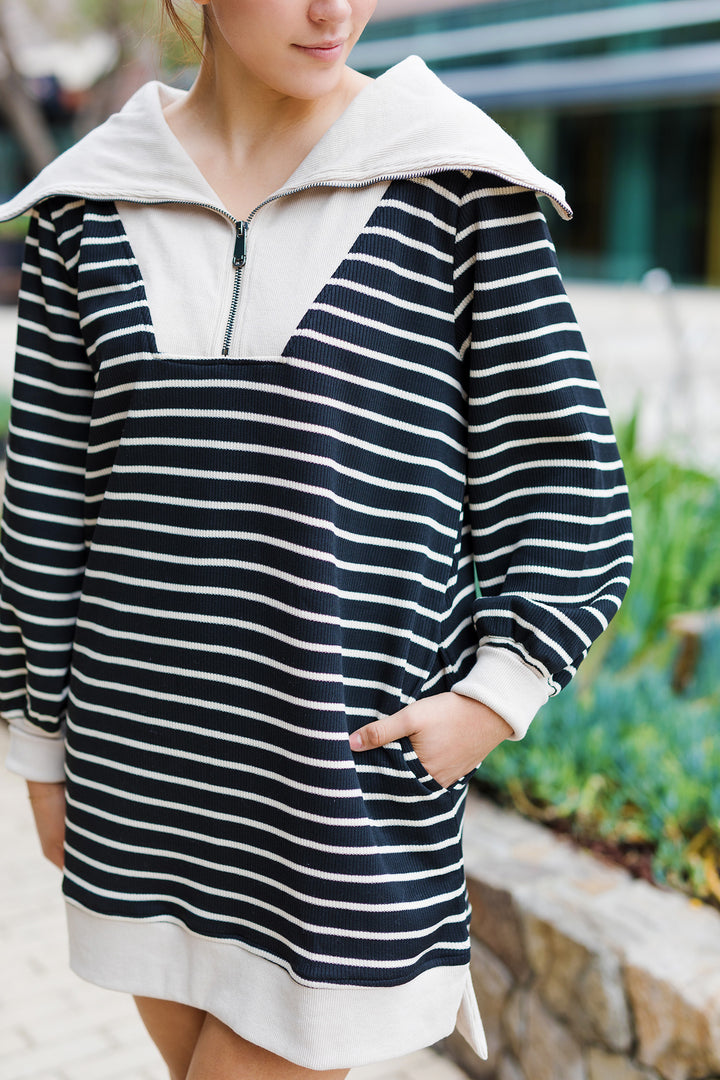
[183, 29]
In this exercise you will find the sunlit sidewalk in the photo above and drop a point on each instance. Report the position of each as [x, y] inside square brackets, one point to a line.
[53, 1026]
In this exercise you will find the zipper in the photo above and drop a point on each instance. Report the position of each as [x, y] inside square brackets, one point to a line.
[238, 261]
[239, 258]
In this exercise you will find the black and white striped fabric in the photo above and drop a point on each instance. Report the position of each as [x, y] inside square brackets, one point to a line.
[220, 567]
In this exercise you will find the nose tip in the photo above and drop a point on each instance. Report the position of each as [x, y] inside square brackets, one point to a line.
[327, 10]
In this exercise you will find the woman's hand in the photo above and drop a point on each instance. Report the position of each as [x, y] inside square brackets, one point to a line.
[451, 734]
[48, 807]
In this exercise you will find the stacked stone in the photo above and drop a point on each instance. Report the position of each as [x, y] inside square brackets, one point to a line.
[583, 972]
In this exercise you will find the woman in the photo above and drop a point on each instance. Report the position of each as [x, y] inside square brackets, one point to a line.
[294, 362]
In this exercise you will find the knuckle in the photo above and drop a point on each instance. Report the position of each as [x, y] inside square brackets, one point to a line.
[377, 734]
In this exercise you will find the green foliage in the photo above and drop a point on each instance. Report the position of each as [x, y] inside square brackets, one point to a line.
[15, 229]
[618, 755]
[631, 762]
[676, 521]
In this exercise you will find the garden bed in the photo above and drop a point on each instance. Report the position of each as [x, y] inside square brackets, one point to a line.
[626, 760]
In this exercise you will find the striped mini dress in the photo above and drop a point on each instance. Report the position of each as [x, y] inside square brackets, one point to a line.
[215, 568]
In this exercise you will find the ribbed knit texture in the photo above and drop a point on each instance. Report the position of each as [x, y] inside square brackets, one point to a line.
[281, 550]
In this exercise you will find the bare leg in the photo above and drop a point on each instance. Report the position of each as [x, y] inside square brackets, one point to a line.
[221, 1054]
[174, 1028]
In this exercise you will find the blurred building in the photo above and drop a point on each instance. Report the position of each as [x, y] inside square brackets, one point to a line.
[618, 100]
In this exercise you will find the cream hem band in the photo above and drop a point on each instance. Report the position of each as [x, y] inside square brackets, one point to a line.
[318, 1027]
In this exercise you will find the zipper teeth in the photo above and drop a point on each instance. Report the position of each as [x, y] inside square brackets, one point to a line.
[434, 171]
[397, 176]
[233, 309]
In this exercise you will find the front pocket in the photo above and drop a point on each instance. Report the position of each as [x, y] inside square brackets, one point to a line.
[416, 767]
[421, 774]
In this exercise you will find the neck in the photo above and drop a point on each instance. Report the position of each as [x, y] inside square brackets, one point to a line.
[243, 116]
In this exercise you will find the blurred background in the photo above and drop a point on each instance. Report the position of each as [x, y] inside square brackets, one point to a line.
[620, 102]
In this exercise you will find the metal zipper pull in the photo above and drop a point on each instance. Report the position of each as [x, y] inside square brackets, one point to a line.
[238, 261]
[240, 252]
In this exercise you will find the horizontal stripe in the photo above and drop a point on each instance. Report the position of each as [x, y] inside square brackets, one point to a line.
[42, 542]
[122, 524]
[202, 675]
[496, 223]
[50, 309]
[497, 284]
[322, 462]
[209, 504]
[38, 328]
[409, 241]
[502, 253]
[400, 270]
[260, 598]
[527, 335]
[219, 620]
[389, 298]
[247, 897]
[334, 404]
[55, 571]
[523, 493]
[317, 957]
[546, 463]
[543, 440]
[62, 365]
[115, 310]
[46, 281]
[526, 418]
[551, 599]
[394, 331]
[543, 515]
[68, 234]
[325, 875]
[317, 429]
[260, 568]
[411, 904]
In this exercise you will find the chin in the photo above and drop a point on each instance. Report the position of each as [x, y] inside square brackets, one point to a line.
[308, 89]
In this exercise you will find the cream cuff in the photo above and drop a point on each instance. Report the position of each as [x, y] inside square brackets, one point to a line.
[505, 683]
[35, 755]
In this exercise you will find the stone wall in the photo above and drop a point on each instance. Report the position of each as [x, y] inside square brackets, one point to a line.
[581, 971]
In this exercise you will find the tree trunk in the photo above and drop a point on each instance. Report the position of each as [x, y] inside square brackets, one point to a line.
[22, 113]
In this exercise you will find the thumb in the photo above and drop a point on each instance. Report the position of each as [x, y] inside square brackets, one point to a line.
[384, 731]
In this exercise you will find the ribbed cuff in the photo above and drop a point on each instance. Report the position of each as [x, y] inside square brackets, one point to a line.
[36, 756]
[503, 682]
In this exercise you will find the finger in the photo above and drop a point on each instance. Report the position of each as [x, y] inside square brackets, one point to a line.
[382, 732]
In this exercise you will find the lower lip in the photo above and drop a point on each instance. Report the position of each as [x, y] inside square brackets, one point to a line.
[324, 54]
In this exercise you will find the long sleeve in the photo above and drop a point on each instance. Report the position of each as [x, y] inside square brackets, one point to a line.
[43, 549]
[547, 506]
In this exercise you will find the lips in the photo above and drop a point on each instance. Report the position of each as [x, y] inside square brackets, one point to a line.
[325, 44]
[326, 50]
